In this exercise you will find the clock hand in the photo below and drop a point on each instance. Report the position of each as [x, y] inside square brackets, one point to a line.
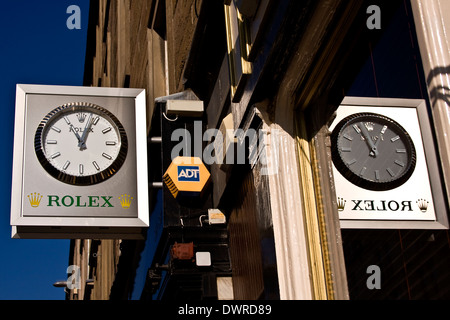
[372, 153]
[370, 143]
[76, 133]
[87, 128]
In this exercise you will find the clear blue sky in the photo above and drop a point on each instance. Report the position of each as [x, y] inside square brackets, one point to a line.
[36, 47]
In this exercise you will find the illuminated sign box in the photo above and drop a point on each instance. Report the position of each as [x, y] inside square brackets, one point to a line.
[80, 163]
[385, 165]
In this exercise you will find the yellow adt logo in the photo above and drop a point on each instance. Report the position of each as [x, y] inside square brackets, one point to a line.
[125, 201]
[35, 199]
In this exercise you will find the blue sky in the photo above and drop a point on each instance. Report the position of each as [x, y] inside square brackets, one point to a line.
[36, 47]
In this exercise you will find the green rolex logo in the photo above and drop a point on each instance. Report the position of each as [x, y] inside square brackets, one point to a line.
[101, 201]
[80, 201]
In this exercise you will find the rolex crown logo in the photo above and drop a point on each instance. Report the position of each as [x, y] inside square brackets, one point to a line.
[35, 199]
[422, 204]
[341, 204]
[369, 126]
[81, 116]
[125, 201]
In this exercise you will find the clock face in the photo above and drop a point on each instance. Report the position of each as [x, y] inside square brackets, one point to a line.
[81, 143]
[373, 151]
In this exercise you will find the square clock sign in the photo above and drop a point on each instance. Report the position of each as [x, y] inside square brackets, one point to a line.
[80, 163]
[385, 165]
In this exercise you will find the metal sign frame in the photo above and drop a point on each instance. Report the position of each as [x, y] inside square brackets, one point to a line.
[77, 211]
[426, 180]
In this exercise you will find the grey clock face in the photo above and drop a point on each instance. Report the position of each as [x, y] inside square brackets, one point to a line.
[373, 151]
[81, 143]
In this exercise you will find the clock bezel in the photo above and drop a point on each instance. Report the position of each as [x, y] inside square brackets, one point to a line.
[356, 179]
[84, 180]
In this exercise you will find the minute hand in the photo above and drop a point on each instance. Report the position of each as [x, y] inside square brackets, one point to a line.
[366, 134]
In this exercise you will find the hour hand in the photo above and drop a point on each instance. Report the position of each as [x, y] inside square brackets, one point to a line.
[76, 133]
[87, 128]
[374, 152]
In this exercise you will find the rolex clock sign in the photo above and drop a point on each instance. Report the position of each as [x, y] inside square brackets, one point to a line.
[80, 167]
[385, 165]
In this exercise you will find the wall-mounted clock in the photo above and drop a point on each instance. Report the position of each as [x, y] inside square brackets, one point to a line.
[80, 166]
[385, 165]
[81, 143]
[373, 151]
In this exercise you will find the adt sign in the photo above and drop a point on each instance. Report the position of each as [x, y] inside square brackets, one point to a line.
[189, 173]
[186, 176]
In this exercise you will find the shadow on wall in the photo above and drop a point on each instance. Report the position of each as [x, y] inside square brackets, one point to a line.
[438, 92]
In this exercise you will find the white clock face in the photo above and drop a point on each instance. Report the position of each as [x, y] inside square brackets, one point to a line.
[81, 143]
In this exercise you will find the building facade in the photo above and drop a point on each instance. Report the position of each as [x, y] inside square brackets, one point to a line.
[278, 70]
